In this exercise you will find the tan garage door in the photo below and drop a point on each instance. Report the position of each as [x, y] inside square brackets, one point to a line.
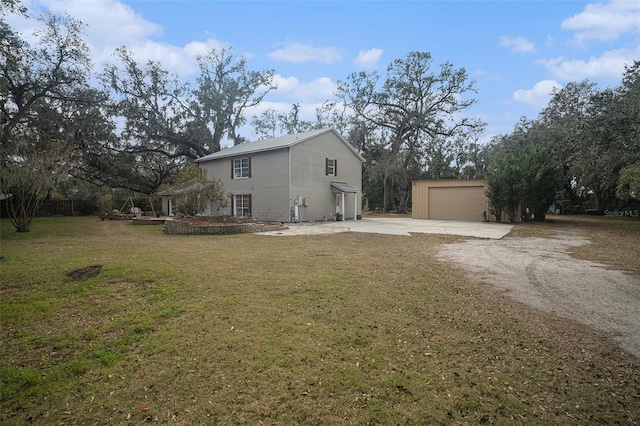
[457, 203]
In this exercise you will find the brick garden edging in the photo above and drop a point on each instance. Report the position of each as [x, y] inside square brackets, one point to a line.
[183, 227]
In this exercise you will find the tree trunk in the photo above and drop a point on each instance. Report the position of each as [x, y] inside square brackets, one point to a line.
[217, 138]
[539, 215]
[22, 209]
[404, 201]
[388, 193]
[600, 203]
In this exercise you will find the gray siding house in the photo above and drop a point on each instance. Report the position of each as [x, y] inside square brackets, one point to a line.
[311, 176]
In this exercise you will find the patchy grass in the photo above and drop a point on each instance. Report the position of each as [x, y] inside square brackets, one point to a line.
[250, 329]
[615, 241]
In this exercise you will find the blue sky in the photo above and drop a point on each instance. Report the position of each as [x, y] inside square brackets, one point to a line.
[516, 51]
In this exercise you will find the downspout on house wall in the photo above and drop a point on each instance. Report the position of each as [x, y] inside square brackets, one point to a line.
[289, 185]
[355, 206]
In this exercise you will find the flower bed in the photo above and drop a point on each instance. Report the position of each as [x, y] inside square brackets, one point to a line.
[217, 226]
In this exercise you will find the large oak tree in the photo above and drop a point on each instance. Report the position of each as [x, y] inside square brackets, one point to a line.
[187, 120]
[37, 84]
[407, 112]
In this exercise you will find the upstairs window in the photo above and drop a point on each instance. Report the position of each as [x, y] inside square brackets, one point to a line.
[241, 168]
[331, 167]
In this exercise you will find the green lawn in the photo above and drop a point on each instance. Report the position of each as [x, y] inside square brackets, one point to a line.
[250, 329]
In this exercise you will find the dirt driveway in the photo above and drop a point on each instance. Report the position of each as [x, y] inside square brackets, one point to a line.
[540, 272]
[536, 271]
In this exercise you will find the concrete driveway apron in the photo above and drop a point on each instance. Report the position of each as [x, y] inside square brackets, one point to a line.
[401, 226]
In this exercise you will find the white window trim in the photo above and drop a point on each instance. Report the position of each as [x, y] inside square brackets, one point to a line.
[238, 169]
[331, 167]
[246, 204]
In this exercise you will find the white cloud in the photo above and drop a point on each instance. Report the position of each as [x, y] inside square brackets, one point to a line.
[180, 60]
[539, 95]
[298, 53]
[605, 21]
[317, 90]
[610, 65]
[518, 44]
[368, 59]
[109, 22]
[199, 48]
[286, 85]
[257, 110]
[549, 41]
[486, 75]
[172, 58]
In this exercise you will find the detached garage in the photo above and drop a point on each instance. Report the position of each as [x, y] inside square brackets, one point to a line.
[452, 199]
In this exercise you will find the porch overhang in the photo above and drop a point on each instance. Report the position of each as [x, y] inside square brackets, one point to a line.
[343, 188]
[338, 187]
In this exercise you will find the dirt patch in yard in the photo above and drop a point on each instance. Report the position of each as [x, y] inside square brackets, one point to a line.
[541, 273]
[84, 273]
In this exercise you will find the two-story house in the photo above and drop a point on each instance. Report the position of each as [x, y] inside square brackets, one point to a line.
[309, 176]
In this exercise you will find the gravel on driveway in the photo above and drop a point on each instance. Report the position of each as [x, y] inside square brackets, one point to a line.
[541, 273]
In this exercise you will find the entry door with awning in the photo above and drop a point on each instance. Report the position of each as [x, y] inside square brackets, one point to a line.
[344, 188]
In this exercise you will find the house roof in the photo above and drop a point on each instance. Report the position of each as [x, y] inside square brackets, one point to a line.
[286, 141]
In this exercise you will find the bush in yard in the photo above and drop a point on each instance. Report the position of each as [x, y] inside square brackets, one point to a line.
[629, 183]
[196, 192]
[522, 173]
